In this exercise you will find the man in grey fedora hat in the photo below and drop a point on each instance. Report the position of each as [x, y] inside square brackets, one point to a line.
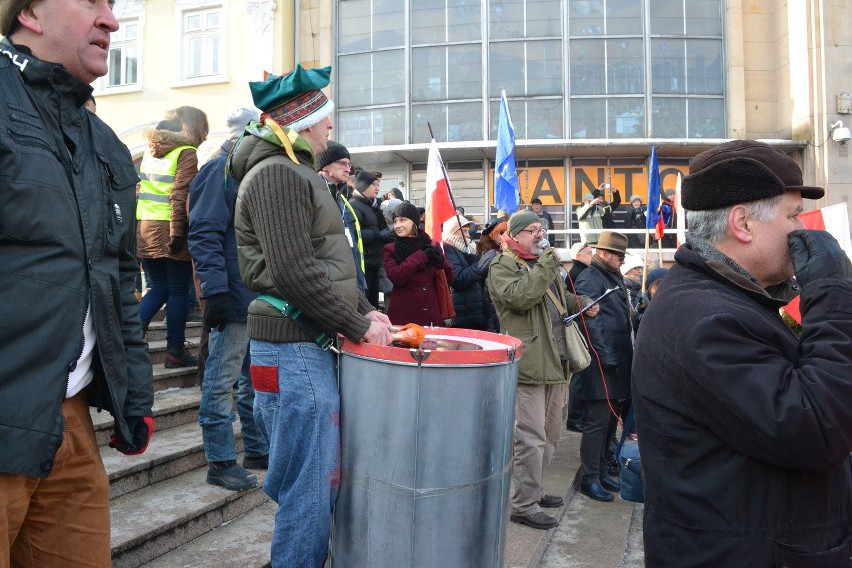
[606, 382]
[745, 433]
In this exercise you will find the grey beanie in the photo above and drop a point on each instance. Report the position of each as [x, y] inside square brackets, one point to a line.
[520, 220]
[238, 119]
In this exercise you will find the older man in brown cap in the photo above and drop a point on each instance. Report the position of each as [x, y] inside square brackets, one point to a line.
[71, 336]
[606, 382]
[745, 426]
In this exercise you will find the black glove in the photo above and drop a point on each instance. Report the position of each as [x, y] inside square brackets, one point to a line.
[434, 255]
[141, 428]
[817, 255]
[177, 245]
[218, 312]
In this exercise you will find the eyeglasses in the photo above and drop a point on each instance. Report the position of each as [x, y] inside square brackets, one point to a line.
[535, 232]
[619, 255]
[345, 163]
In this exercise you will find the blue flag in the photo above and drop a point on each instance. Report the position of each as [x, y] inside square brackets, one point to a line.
[506, 185]
[653, 217]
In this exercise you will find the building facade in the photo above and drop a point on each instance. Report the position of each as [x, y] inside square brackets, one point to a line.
[592, 85]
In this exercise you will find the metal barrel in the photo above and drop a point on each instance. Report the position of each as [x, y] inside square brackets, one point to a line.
[426, 452]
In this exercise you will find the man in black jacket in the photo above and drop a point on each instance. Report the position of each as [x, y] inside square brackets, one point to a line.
[71, 336]
[372, 225]
[606, 382]
[213, 246]
[744, 428]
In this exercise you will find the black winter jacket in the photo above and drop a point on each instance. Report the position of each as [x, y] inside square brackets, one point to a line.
[212, 239]
[372, 223]
[610, 333]
[744, 429]
[67, 239]
[467, 288]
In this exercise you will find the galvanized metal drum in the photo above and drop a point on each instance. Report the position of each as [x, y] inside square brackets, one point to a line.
[426, 451]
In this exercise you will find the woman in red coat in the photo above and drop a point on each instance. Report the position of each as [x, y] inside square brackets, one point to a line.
[411, 262]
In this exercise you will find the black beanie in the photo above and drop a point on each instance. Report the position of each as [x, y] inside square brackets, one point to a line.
[333, 152]
[363, 180]
[408, 211]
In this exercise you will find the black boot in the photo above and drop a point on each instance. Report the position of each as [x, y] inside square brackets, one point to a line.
[178, 356]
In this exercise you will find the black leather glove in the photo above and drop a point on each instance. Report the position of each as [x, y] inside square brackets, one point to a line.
[434, 255]
[141, 428]
[217, 312]
[177, 245]
[817, 255]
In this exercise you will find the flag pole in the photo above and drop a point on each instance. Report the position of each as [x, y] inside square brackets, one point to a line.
[449, 187]
[647, 249]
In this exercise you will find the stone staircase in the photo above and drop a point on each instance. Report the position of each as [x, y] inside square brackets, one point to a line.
[164, 514]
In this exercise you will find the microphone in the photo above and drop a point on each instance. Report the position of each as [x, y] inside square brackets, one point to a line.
[544, 244]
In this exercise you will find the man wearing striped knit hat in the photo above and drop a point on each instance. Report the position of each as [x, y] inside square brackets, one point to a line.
[294, 251]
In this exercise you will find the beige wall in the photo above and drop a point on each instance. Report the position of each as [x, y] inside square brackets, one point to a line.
[128, 113]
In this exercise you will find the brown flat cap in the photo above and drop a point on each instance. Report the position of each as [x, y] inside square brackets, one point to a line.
[738, 172]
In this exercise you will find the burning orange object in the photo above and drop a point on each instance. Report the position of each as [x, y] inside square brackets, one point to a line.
[410, 335]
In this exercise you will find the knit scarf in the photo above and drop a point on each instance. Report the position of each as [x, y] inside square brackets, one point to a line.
[406, 246]
[512, 245]
[465, 245]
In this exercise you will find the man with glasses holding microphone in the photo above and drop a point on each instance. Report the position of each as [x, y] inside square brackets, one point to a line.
[531, 300]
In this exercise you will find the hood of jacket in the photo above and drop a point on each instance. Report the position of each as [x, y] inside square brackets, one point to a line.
[161, 142]
[259, 143]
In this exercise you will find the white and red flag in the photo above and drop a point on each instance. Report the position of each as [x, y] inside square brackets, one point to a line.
[833, 219]
[439, 199]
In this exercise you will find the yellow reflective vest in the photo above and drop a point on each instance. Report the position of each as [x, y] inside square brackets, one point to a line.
[158, 177]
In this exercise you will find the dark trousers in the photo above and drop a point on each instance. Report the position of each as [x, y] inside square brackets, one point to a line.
[599, 424]
[372, 277]
[169, 282]
[575, 400]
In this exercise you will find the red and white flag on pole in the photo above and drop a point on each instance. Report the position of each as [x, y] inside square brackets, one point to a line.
[833, 219]
[439, 201]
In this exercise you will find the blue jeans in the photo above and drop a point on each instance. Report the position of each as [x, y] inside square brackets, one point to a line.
[303, 420]
[168, 281]
[228, 363]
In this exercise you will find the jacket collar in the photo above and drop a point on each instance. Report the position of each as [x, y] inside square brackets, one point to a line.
[700, 255]
[47, 79]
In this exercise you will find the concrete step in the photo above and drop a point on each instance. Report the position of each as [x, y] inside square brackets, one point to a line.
[157, 349]
[170, 453]
[241, 543]
[172, 407]
[157, 330]
[150, 522]
[180, 377]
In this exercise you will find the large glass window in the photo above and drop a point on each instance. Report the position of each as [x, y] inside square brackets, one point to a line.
[202, 42]
[451, 72]
[621, 71]
[123, 55]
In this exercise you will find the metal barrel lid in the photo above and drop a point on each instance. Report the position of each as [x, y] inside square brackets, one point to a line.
[444, 346]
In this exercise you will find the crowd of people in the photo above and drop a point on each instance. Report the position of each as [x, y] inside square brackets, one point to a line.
[745, 435]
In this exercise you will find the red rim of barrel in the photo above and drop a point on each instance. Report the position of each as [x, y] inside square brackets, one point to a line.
[509, 351]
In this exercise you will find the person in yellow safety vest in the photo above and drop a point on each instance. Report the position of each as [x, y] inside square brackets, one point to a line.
[168, 166]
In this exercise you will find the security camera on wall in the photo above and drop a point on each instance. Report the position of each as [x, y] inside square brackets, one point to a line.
[840, 133]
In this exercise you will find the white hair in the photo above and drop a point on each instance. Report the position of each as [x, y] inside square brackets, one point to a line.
[712, 225]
